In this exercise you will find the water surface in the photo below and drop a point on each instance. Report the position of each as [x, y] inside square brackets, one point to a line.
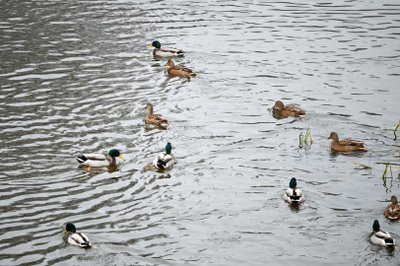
[76, 76]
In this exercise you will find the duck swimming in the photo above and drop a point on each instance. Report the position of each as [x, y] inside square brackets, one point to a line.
[380, 237]
[76, 238]
[100, 160]
[164, 52]
[165, 159]
[279, 110]
[178, 70]
[392, 211]
[293, 193]
[345, 145]
[154, 119]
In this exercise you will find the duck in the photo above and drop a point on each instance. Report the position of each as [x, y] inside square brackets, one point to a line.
[279, 110]
[100, 160]
[164, 52]
[293, 193]
[75, 238]
[380, 237]
[345, 145]
[154, 119]
[178, 70]
[166, 159]
[392, 211]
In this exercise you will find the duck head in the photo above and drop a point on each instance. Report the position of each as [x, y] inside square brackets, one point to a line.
[70, 227]
[170, 63]
[293, 183]
[168, 148]
[149, 108]
[334, 136]
[278, 106]
[375, 226]
[155, 44]
[115, 153]
[393, 200]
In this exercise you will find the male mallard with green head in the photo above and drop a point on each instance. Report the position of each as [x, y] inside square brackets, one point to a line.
[293, 193]
[100, 160]
[345, 145]
[164, 52]
[165, 159]
[178, 70]
[392, 211]
[75, 238]
[380, 237]
[154, 119]
[279, 110]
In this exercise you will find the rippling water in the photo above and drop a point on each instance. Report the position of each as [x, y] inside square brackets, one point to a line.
[75, 77]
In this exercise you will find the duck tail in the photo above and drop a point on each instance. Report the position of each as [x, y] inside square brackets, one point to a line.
[161, 164]
[86, 245]
[81, 158]
[389, 242]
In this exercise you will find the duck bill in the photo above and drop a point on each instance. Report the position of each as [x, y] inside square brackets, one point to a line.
[149, 46]
[121, 157]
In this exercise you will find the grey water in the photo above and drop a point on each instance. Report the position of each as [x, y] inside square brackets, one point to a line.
[75, 77]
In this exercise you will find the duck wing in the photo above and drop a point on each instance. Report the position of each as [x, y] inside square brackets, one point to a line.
[163, 161]
[79, 239]
[295, 109]
[172, 50]
[95, 156]
[351, 142]
[392, 212]
[160, 119]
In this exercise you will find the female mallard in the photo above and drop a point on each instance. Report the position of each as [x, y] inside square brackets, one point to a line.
[165, 159]
[100, 160]
[164, 52]
[293, 193]
[380, 237]
[279, 110]
[154, 119]
[178, 70]
[392, 211]
[345, 145]
[76, 238]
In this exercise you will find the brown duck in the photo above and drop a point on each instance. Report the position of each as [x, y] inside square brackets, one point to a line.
[392, 211]
[281, 111]
[178, 70]
[345, 145]
[154, 119]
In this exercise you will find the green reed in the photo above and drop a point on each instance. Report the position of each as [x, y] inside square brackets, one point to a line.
[395, 130]
[306, 139]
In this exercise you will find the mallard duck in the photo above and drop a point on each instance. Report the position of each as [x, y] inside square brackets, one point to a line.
[279, 110]
[100, 160]
[381, 237]
[293, 193]
[178, 70]
[392, 211]
[345, 145]
[76, 238]
[154, 119]
[165, 159]
[164, 52]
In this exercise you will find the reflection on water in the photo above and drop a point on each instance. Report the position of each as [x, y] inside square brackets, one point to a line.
[75, 77]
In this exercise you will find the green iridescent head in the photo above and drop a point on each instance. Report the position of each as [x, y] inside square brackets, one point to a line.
[168, 148]
[70, 227]
[376, 226]
[156, 44]
[114, 153]
[293, 183]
